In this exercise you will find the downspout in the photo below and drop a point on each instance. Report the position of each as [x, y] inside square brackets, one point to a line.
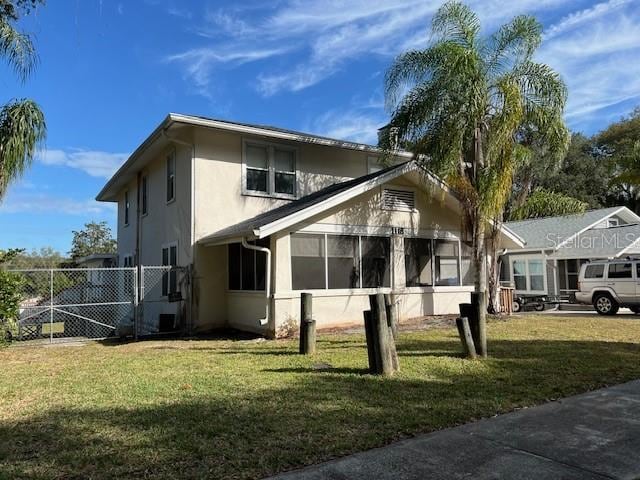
[267, 282]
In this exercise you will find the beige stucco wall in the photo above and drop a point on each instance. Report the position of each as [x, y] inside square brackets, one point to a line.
[363, 215]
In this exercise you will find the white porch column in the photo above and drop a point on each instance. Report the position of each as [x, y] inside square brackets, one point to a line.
[397, 262]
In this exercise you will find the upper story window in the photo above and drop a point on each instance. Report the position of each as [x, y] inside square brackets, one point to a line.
[126, 207]
[145, 195]
[269, 170]
[171, 176]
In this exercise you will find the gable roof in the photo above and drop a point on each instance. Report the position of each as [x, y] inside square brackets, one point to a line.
[612, 242]
[137, 160]
[552, 232]
[299, 210]
[309, 204]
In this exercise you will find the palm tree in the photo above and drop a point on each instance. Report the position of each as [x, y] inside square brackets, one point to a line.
[462, 105]
[22, 124]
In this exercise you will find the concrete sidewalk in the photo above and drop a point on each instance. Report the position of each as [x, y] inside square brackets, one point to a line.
[591, 436]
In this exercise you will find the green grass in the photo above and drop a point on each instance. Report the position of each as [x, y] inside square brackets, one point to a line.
[245, 409]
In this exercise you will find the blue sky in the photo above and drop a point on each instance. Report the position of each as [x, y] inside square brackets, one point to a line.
[111, 70]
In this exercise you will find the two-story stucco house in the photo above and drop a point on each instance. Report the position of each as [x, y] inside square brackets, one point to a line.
[261, 214]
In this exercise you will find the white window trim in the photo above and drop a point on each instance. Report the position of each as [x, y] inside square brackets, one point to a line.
[255, 274]
[359, 261]
[402, 188]
[171, 154]
[526, 259]
[162, 248]
[433, 261]
[271, 172]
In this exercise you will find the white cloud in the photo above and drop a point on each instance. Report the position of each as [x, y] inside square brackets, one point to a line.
[357, 125]
[35, 202]
[315, 39]
[95, 163]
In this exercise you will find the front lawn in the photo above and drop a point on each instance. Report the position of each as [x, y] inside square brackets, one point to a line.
[247, 409]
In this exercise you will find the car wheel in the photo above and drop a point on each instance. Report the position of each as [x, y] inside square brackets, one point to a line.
[635, 310]
[538, 307]
[605, 305]
[516, 306]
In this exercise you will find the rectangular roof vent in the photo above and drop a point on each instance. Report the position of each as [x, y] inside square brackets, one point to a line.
[395, 199]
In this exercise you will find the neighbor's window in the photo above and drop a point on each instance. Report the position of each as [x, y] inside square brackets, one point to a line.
[446, 262]
[247, 267]
[418, 262]
[171, 176]
[145, 195]
[127, 261]
[528, 275]
[520, 274]
[343, 261]
[169, 279]
[619, 270]
[126, 207]
[269, 169]
[595, 271]
[376, 262]
[307, 262]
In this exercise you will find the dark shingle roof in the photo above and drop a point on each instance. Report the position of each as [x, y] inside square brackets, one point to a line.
[549, 231]
[247, 227]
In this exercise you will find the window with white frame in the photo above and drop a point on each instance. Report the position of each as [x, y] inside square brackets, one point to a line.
[447, 258]
[320, 261]
[169, 278]
[126, 208]
[247, 267]
[145, 195]
[418, 262]
[269, 169]
[528, 274]
[171, 176]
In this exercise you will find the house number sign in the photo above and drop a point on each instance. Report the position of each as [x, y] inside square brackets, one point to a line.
[397, 230]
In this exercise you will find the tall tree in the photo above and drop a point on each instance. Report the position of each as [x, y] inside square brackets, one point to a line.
[95, 237]
[462, 102]
[22, 124]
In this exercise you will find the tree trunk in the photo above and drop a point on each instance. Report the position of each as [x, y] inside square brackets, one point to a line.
[494, 272]
[480, 280]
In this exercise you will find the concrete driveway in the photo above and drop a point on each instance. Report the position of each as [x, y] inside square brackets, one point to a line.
[591, 436]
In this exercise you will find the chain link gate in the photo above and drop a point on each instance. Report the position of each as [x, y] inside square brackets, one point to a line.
[70, 304]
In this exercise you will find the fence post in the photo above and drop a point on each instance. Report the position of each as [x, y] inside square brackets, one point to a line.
[51, 306]
[136, 302]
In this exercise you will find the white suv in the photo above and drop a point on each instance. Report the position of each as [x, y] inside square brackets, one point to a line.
[609, 285]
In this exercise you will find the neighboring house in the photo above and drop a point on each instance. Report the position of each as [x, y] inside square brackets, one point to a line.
[99, 281]
[557, 246]
[98, 260]
[261, 214]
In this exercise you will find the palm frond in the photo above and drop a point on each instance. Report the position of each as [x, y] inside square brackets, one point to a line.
[514, 42]
[457, 22]
[17, 49]
[22, 130]
[544, 203]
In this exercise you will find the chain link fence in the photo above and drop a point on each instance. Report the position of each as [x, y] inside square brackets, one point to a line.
[61, 305]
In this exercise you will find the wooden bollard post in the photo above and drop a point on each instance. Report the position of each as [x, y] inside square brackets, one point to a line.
[307, 325]
[468, 311]
[392, 314]
[465, 337]
[392, 321]
[381, 334]
[369, 334]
